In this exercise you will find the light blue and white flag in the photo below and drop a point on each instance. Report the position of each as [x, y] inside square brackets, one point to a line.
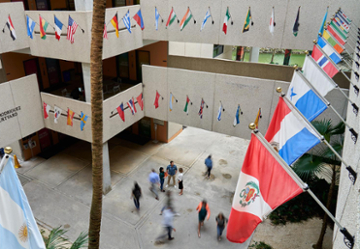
[157, 16]
[237, 116]
[304, 98]
[219, 112]
[171, 102]
[18, 228]
[207, 15]
[30, 26]
[321, 31]
[329, 50]
[126, 21]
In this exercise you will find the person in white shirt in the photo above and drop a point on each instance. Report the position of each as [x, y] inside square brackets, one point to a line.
[168, 218]
[180, 178]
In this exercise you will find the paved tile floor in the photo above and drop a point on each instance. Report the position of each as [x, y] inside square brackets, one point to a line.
[59, 191]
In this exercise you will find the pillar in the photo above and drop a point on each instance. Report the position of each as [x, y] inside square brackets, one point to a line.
[254, 54]
[83, 5]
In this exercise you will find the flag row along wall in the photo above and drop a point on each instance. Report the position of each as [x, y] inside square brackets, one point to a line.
[289, 17]
[219, 92]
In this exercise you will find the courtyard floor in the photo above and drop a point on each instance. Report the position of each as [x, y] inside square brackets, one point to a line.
[59, 191]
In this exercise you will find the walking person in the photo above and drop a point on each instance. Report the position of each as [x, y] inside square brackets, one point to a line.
[155, 182]
[221, 222]
[168, 202]
[180, 179]
[162, 178]
[168, 219]
[136, 194]
[171, 170]
[209, 165]
[203, 210]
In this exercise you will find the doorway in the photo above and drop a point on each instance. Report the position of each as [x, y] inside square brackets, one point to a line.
[32, 66]
[142, 58]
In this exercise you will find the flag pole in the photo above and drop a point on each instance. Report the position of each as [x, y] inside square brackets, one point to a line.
[352, 173]
[355, 107]
[349, 239]
[356, 89]
[353, 132]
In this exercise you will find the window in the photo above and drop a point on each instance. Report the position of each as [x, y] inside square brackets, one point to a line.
[218, 49]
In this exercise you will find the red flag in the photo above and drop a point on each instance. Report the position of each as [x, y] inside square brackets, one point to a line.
[140, 101]
[105, 32]
[120, 110]
[264, 184]
[156, 103]
[46, 110]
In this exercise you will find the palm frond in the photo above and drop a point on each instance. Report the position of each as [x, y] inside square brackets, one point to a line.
[55, 239]
[338, 129]
[81, 241]
[308, 166]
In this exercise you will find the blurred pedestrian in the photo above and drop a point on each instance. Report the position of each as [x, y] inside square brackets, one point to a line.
[168, 220]
[136, 194]
[203, 210]
[171, 170]
[180, 179]
[221, 222]
[155, 182]
[168, 202]
[162, 178]
[209, 165]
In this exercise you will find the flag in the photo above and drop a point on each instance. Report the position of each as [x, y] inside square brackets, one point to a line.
[332, 42]
[120, 110]
[127, 22]
[338, 30]
[186, 19]
[70, 116]
[258, 116]
[329, 51]
[171, 18]
[187, 105]
[219, 112]
[57, 114]
[114, 21]
[289, 133]
[171, 102]
[264, 184]
[207, 15]
[226, 19]
[105, 31]
[43, 26]
[72, 26]
[46, 110]
[156, 102]
[337, 21]
[139, 19]
[18, 228]
[30, 26]
[296, 24]
[323, 62]
[336, 35]
[272, 21]
[321, 30]
[10, 26]
[201, 108]
[343, 22]
[343, 14]
[140, 101]
[237, 116]
[305, 99]
[157, 16]
[58, 28]
[247, 22]
[83, 119]
[131, 105]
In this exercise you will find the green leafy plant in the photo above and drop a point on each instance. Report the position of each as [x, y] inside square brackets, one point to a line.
[55, 240]
[260, 245]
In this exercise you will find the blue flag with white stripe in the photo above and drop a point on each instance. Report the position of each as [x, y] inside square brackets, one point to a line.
[219, 112]
[126, 21]
[207, 15]
[18, 228]
[157, 16]
[30, 26]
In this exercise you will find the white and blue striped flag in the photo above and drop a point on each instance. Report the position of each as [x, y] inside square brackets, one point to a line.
[157, 16]
[18, 228]
[219, 112]
[126, 21]
[30, 26]
[207, 15]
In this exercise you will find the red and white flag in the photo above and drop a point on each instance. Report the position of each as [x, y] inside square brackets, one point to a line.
[156, 102]
[105, 32]
[140, 101]
[46, 110]
[131, 105]
[264, 184]
[272, 21]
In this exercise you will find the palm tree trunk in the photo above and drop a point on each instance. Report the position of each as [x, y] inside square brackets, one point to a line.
[96, 120]
[328, 204]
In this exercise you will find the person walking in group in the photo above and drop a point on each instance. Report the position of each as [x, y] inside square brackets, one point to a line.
[220, 224]
[203, 210]
[167, 222]
[171, 170]
[136, 194]
[180, 178]
[155, 182]
[209, 165]
[162, 179]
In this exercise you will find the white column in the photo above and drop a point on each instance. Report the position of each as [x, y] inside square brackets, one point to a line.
[87, 81]
[83, 5]
[254, 54]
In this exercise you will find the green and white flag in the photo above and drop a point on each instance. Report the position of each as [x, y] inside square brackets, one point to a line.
[171, 18]
[186, 105]
[186, 19]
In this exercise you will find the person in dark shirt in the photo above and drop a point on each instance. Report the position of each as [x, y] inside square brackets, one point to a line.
[136, 194]
[162, 179]
[220, 223]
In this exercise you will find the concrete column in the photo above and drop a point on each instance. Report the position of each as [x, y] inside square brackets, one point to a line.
[86, 78]
[254, 54]
[83, 5]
